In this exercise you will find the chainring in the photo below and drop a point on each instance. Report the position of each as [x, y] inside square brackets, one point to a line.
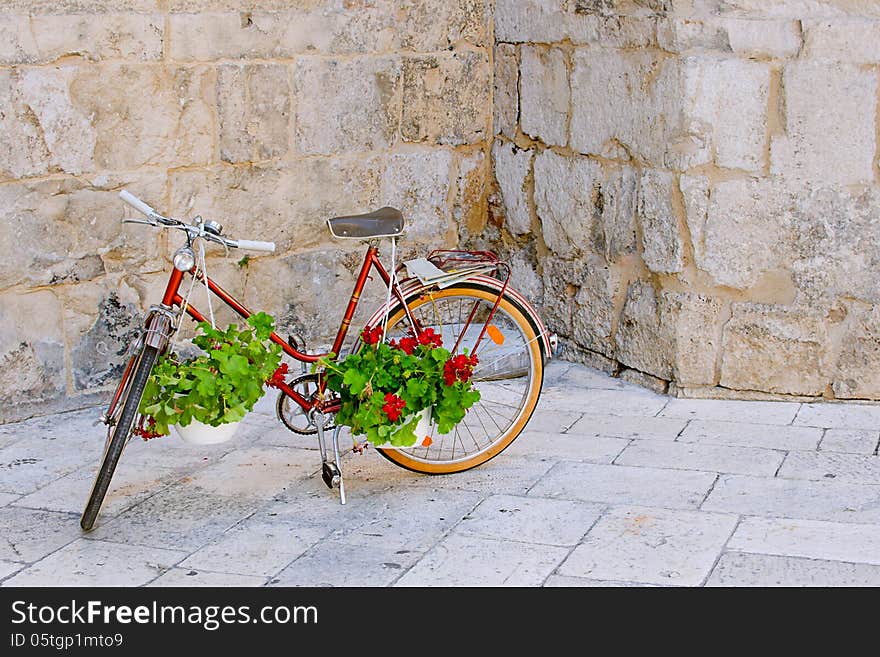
[292, 415]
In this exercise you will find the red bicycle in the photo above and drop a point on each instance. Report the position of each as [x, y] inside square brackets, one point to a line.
[477, 311]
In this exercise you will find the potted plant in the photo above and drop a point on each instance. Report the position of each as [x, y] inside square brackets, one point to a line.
[390, 392]
[205, 397]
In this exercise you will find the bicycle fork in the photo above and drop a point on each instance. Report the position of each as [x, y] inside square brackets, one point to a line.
[331, 471]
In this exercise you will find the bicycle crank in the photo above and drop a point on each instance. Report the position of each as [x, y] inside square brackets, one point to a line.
[292, 415]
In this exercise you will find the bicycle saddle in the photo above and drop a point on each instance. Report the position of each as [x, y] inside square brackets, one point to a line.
[384, 222]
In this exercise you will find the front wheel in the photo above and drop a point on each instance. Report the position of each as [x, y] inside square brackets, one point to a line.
[509, 375]
[133, 391]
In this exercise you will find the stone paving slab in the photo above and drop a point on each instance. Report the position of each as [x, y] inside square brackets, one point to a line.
[839, 416]
[712, 458]
[619, 487]
[260, 546]
[178, 517]
[462, 560]
[190, 578]
[853, 441]
[852, 468]
[619, 484]
[809, 538]
[659, 428]
[655, 546]
[554, 446]
[792, 498]
[130, 486]
[98, 563]
[530, 519]
[741, 569]
[731, 410]
[744, 434]
[29, 535]
[334, 563]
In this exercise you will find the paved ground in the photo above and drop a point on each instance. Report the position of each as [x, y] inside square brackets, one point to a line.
[610, 484]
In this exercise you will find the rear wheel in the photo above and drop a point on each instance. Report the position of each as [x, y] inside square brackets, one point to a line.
[509, 375]
[133, 390]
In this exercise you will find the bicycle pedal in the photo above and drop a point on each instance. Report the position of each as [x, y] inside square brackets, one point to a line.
[330, 474]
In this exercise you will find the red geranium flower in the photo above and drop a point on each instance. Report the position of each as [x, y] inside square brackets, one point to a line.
[429, 337]
[278, 376]
[459, 368]
[372, 336]
[408, 345]
[393, 406]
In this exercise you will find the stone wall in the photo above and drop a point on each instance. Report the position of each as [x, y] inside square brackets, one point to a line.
[268, 116]
[691, 188]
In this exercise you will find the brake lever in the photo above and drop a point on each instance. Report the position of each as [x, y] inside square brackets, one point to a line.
[139, 221]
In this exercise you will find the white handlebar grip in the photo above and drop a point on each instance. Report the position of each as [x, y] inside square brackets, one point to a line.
[256, 246]
[136, 203]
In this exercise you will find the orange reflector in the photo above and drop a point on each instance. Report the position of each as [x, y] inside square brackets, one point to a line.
[427, 441]
[496, 335]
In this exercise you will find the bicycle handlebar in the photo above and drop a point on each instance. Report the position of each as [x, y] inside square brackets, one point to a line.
[255, 246]
[138, 204]
[194, 231]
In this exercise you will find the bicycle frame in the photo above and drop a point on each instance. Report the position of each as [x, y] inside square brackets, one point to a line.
[172, 298]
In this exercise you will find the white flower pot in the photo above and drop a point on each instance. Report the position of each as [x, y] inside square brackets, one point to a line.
[424, 429]
[198, 433]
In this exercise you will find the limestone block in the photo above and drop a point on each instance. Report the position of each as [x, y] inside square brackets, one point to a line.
[146, 115]
[740, 230]
[775, 349]
[43, 38]
[543, 21]
[726, 109]
[524, 279]
[65, 230]
[306, 292]
[836, 243]
[506, 97]
[619, 24]
[99, 353]
[637, 88]
[763, 38]
[670, 113]
[512, 167]
[644, 337]
[854, 41]
[445, 98]
[42, 128]
[266, 34]
[470, 204]
[579, 301]
[681, 35]
[618, 201]
[829, 135]
[566, 194]
[31, 348]
[417, 182]
[287, 205]
[435, 26]
[858, 374]
[791, 9]
[544, 94]
[253, 107]
[696, 334]
[670, 335]
[346, 105]
[661, 242]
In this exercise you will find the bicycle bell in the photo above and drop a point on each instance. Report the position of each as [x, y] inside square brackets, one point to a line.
[213, 227]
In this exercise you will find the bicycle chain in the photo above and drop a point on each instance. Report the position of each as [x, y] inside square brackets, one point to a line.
[311, 429]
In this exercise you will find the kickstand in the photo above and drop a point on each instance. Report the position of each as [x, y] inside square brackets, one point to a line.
[331, 471]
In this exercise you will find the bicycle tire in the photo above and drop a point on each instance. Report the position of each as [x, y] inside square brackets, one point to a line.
[517, 325]
[121, 432]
